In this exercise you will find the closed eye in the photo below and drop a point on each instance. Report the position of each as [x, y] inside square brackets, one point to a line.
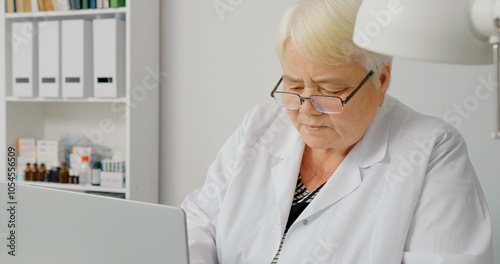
[333, 93]
[295, 89]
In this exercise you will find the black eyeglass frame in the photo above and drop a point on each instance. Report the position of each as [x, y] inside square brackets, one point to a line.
[302, 99]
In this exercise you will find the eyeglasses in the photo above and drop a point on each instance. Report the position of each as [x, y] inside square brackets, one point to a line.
[323, 103]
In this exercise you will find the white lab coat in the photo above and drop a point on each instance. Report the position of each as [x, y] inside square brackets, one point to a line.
[406, 193]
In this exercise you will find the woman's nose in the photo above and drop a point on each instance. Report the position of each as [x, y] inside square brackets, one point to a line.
[307, 107]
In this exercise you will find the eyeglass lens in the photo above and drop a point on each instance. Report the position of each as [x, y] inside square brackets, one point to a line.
[322, 104]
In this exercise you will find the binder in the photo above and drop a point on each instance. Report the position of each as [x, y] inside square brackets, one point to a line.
[48, 5]
[76, 65]
[24, 59]
[41, 6]
[10, 6]
[49, 58]
[61, 5]
[109, 57]
[116, 3]
[19, 5]
[27, 5]
[34, 6]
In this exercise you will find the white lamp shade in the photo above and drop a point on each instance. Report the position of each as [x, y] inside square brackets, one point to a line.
[430, 30]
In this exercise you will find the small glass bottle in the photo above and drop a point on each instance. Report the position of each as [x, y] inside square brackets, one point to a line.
[96, 173]
[49, 176]
[76, 177]
[64, 173]
[85, 171]
[41, 173]
[71, 178]
[55, 174]
[28, 175]
[34, 173]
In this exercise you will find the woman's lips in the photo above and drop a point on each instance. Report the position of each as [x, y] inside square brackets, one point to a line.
[313, 127]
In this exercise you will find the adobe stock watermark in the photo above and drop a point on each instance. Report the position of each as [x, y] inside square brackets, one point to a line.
[26, 30]
[151, 81]
[246, 153]
[463, 110]
[380, 19]
[224, 6]
[325, 250]
[455, 115]
[407, 165]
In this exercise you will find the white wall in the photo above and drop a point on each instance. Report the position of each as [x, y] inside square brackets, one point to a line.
[219, 66]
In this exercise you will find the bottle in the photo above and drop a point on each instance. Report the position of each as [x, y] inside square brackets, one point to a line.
[28, 175]
[49, 176]
[41, 173]
[34, 173]
[84, 172]
[64, 173]
[96, 173]
[76, 178]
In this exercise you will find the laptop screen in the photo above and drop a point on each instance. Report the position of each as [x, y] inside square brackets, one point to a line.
[41, 225]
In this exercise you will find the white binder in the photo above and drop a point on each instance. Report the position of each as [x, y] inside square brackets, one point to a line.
[24, 59]
[76, 47]
[49, 58]
[109, 57]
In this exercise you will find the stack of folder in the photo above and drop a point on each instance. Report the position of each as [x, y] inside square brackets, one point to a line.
[14, 6]
[72, 58]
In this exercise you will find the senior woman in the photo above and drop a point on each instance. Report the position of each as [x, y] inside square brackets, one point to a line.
[337, 171]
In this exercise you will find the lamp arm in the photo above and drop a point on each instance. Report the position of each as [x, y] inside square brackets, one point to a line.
[496, 73]
[485, 18]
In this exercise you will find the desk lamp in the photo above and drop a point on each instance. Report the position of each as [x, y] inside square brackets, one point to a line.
[447, 31]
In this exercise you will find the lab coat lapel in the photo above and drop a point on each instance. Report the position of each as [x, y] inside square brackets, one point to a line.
[283, 141]
[370, 150]
[343, 181]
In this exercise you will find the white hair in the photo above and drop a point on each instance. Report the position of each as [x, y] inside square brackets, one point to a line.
[322, 31]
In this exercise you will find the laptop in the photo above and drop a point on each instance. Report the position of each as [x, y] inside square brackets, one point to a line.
[43, 225]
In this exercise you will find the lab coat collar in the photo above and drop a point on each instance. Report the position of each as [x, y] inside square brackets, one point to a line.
[373, 145]
[370, 150]
[283, 141]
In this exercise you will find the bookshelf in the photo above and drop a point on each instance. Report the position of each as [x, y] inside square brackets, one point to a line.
[132, 121]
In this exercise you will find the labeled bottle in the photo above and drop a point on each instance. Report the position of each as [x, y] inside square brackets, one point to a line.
[34, 172]
[41, 173]
[96, 173]
[84, 173]
[64, 173]
[28, 175]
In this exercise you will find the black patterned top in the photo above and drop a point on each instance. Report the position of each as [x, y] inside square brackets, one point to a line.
[301, 200]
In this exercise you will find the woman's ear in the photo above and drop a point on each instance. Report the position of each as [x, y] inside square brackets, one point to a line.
[384, 78]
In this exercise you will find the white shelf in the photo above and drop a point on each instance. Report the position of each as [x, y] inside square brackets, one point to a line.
[66, 100]
[128, 124]
[75, 187]
[66, 14]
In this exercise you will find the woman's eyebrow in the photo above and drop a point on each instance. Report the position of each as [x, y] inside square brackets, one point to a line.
[332, 80]
[327, 80]
[288, 78]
